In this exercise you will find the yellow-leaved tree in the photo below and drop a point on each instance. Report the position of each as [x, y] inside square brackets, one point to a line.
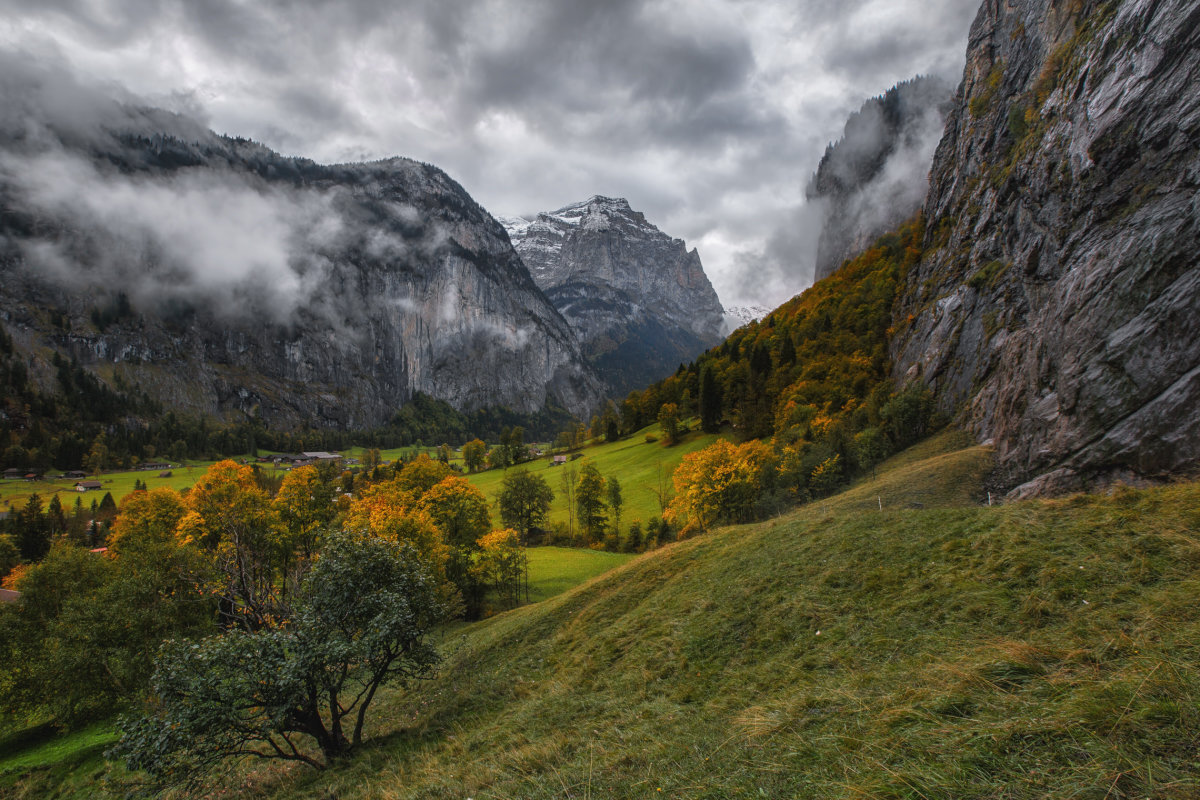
[231, 517]
[720, 484]
[502, 565]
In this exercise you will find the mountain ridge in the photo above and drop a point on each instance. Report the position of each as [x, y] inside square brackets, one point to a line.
[637, 298]
[253, 284]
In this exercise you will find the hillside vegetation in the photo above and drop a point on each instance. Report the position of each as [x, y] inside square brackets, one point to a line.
[938, 648]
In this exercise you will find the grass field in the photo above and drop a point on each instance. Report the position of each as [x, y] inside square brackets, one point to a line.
[936, 649]
[639, 465]
[554, 570]
[15, 493]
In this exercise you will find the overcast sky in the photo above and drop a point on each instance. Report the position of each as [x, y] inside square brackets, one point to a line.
[708, 115]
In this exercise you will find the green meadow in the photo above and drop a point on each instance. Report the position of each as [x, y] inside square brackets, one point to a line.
[641, 467]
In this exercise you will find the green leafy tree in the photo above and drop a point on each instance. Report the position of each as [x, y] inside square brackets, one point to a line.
[589, 502]
[615, 502]
[668, 420]
[10, 556]
[634, 538]
[870, 447]
[475, 455]
[524, 501]
[299, 692]
[906, 416]
[710, 401]
[517, 452]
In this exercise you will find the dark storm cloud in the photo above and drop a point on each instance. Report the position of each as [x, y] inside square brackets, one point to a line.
[709, 115]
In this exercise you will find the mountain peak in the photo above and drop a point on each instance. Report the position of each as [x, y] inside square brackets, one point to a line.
[637, 298]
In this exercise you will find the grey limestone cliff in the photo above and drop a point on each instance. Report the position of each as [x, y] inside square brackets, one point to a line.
[637, 298]
[220, 278]
[1057, 308]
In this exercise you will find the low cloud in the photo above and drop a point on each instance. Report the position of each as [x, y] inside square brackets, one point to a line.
[204, 237]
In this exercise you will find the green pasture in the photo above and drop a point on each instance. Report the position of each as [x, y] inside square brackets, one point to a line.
[641, 467]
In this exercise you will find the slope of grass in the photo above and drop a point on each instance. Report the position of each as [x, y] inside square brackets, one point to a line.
[935, 649]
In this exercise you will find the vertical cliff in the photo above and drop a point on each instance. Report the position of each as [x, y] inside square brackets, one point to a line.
[1056, 307]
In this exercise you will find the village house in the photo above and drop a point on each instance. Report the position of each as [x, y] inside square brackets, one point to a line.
[88, 486]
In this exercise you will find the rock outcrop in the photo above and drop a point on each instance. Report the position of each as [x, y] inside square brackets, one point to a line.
[1056, 307]
[875, 177]
[220, 278]
[638, 299]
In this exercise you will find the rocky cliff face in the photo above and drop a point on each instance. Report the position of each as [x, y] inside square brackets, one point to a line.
[638, 299]
[875, 176]
[221, 278]
[1056, 308]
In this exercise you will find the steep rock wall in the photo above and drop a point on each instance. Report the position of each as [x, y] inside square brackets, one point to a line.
[1056, 308]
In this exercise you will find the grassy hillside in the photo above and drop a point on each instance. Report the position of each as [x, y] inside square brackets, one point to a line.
[935, 649]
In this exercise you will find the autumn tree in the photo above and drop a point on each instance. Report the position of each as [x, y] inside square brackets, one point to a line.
[460, 512]
[390, 511]
[151, 516]
[304, 509]
[524, 501]
[422, 474]
[720, 484]
[97, 457]
[231, 517]
[503, 566]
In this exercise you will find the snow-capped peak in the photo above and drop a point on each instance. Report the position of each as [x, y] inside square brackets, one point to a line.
[737, 316]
